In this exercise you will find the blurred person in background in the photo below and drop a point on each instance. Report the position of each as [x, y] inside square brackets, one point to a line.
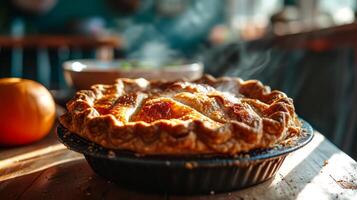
[173, 27]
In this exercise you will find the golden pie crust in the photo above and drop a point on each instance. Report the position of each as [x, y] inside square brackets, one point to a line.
[206, 116]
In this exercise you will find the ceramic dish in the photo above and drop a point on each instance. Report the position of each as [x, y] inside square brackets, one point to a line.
[81, 74]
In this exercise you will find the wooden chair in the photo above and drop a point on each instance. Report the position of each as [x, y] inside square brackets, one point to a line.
[46, 53]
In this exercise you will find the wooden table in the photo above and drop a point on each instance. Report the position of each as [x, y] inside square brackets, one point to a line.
[47, 170]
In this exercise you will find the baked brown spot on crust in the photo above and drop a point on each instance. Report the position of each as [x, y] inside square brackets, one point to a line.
[158, 110]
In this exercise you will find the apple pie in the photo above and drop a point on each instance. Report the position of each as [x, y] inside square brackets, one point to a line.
[208, 116]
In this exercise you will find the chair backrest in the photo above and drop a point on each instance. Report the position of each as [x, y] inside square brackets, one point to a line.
[40, 57]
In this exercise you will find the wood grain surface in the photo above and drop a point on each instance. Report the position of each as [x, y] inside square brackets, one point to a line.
[319, 170]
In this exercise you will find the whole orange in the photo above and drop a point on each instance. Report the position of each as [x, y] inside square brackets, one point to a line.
[27, 111]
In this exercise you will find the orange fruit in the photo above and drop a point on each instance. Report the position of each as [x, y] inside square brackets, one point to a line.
[27, 111]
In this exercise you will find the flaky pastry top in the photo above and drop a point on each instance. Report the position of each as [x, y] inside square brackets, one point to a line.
[206, 116]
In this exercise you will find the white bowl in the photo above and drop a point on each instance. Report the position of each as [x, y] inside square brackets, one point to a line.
[81, 74]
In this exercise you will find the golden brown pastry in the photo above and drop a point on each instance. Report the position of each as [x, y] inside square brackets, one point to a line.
[206, 116]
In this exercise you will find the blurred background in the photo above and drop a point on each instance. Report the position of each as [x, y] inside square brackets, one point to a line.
[306, 48]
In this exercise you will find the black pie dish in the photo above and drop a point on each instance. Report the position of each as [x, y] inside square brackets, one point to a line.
[183, 175]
